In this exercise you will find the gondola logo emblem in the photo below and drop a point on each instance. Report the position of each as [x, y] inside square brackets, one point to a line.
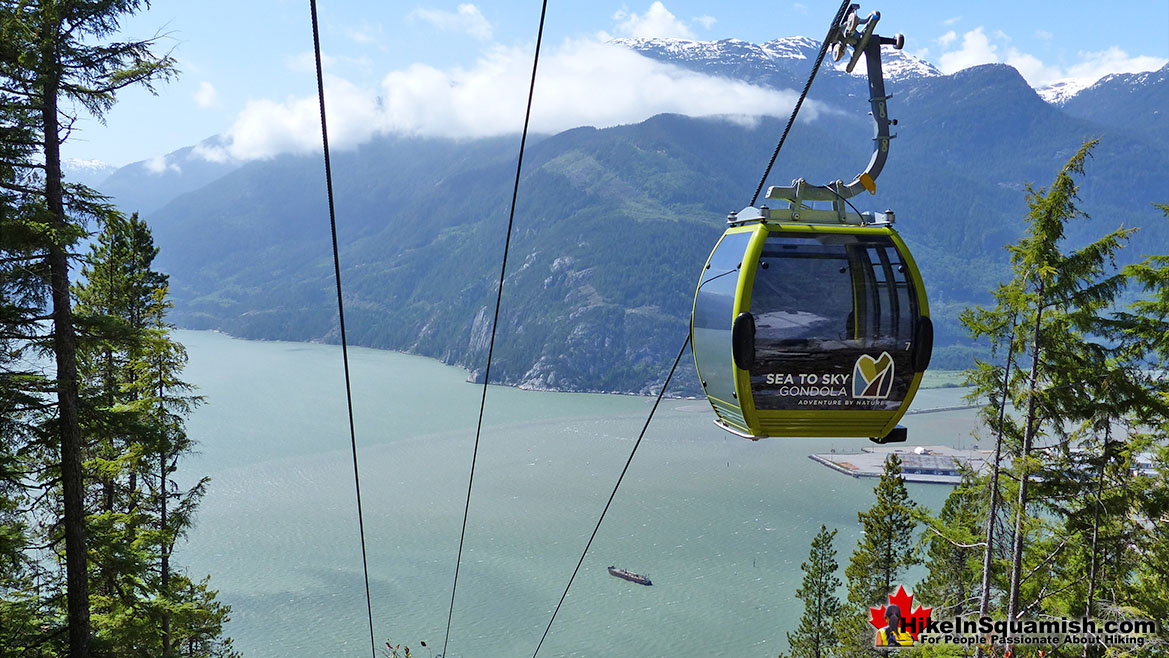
[872, 379]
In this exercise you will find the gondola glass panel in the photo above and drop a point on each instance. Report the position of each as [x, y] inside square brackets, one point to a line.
[714, 311]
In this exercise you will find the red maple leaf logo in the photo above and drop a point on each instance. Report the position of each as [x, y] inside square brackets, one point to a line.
[911, 622]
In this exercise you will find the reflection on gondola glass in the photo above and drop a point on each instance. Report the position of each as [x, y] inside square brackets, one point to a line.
[834, 317]
[713, 314]
[803, 294]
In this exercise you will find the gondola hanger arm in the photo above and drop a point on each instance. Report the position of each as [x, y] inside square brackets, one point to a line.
[859, 35]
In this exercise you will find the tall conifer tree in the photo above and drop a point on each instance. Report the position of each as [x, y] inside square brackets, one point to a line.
[1085, 380]
[1060, 299]
[886, 545]
[953, 550]
[815, 637]
[883, 554]
[136, 404]
[57, 56]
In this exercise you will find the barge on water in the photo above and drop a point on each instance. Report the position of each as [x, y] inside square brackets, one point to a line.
[630, 576]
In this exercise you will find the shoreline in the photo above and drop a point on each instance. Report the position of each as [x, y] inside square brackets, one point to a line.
[522, 387]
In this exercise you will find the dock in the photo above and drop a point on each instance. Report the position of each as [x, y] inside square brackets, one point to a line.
[927, 464]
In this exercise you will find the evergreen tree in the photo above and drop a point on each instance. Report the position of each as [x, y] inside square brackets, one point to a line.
[1132, 579]
[56, 56]
[994, 383]
[882, 556]
[816, 635]
[26, 625]
[954, 551]
[886, 547]
[1086, 384]
[1065, 293]
[136, 404]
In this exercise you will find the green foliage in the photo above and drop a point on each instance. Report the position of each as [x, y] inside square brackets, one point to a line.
[135, 418]
[1077, 402]
[132, 416]
[1049, 318]
[57, 58]
[886, 546]
[815, 637]
[953, 552]
[883, 554]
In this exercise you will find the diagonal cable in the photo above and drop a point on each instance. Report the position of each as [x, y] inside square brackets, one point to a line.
[495, 322]
[629, 461]
[341, 314]
[804, 94]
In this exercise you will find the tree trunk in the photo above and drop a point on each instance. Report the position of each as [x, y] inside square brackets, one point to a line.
[1093, 560]
[888, 566]
[988, 552]
[65, 347]
[164, 451]
[165, 561]
[1025, 453]
[110, 382]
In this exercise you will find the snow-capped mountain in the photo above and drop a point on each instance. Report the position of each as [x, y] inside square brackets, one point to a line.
[685, 50]
[1133, 102]
[729, 56]
[86, 172]
[1058, 93]
[1137, 79]
[790, 55]
[897, 65]
[785, 63]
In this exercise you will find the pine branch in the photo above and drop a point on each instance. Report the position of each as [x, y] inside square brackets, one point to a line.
[981, 544]
[22, 189]
[1049, 558]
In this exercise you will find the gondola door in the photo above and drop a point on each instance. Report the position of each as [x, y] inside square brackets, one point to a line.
[836, 314]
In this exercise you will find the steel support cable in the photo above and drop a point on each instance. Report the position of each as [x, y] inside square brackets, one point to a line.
[341, 315]
[617, 486]
[804, 94]
[495, 321]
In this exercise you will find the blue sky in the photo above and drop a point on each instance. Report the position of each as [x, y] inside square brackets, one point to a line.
[459, 68]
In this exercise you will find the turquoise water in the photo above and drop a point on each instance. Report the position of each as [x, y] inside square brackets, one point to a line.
[721, 524]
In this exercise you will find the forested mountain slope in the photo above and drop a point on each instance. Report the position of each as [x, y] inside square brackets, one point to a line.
[613, 225]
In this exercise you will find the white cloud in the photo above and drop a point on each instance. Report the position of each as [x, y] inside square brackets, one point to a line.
[581, 83]
[951, 21]
[1044, 35]
[706, 22]
[800, 8]
[211, 153]
[266, 128]
[1113, 60]
[1033, 70]
[657, 21]
[365, 33]
[158, 165]
[206, 96]
[976, 49]
[467, 19]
